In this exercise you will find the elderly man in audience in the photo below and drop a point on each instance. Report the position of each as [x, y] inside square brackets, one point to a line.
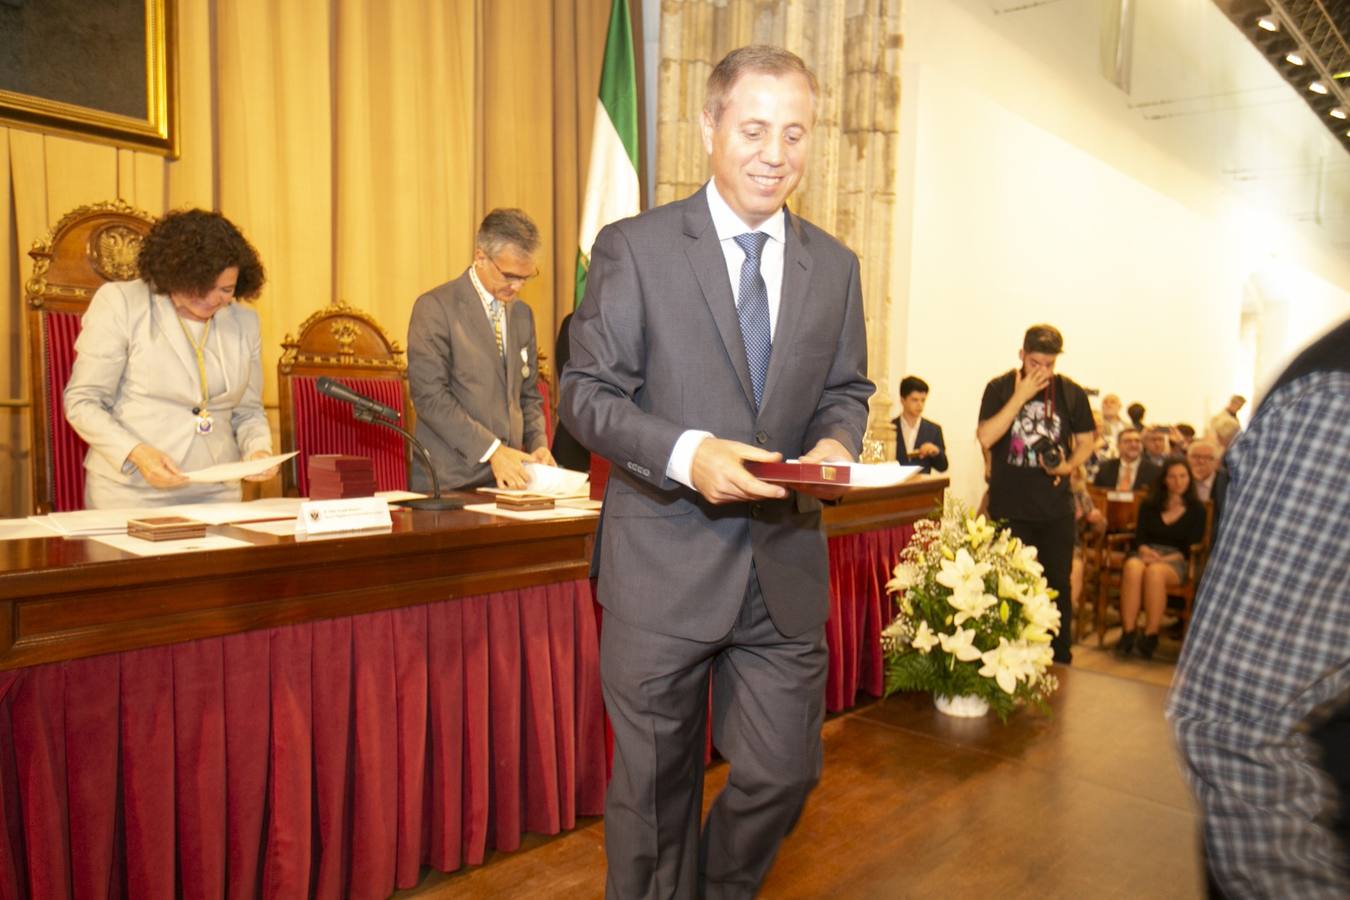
[1129, 471]
[1113, 423]
[1211, 479]
[1157, 445]
[1224, 426]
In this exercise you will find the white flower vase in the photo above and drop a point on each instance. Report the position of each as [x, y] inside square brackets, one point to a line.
[964, 707]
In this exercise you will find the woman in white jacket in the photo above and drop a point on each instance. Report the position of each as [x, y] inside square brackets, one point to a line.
[168, 371]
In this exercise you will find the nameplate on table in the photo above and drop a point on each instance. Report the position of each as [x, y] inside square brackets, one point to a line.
[351, 514]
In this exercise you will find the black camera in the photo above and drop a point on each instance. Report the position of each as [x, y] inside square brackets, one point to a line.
[1047, 451]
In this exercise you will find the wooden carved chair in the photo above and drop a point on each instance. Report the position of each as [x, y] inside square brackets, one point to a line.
[88, 247]
[349, 345]
[1112, 546]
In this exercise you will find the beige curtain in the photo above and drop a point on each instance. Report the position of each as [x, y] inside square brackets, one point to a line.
[356, 143]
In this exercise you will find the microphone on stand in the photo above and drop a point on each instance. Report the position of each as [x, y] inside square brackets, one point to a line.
[364, 409]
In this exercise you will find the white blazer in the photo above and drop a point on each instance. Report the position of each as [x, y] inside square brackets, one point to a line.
[135, 381]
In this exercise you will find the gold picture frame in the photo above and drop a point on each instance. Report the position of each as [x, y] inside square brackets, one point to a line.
[157, 131]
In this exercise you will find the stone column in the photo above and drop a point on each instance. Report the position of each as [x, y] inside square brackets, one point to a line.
[849, 190]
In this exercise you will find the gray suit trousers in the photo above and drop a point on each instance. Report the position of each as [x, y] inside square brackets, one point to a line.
[768, 706]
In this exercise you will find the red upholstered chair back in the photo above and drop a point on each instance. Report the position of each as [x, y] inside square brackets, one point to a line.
[88, 247]
[346, 344]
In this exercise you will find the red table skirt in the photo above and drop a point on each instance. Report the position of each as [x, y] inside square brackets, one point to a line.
[860, 566]
[331, 759]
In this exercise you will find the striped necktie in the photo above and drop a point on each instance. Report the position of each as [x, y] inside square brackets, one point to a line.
[753, 312]
[497, 325]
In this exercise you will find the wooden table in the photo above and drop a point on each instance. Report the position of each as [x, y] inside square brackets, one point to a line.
[324, 717]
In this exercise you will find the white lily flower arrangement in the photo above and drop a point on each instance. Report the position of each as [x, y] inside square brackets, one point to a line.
[976, 616]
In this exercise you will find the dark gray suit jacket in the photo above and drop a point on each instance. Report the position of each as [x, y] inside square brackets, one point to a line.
[464, 396]
[657, 350]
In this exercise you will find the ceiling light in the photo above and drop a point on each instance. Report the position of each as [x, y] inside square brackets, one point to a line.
[1295, 59]
[1268, 23]
[1317, 87]
[1338, 113]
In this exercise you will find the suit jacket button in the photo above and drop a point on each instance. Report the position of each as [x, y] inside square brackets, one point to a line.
[761, 437]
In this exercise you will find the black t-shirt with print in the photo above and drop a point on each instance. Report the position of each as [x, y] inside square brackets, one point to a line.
[1018, 487]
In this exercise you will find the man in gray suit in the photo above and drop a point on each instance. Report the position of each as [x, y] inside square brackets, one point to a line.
[716, 330]
[473, 367]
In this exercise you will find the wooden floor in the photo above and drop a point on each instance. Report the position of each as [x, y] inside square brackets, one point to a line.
[1085, 803]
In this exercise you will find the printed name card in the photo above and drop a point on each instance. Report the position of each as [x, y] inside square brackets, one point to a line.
[352, 514]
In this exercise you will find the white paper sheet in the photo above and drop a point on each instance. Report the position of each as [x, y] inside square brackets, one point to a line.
[554, 481]
[280, 527]
[139, 547]
[234, 471]
[17, 529]
[531, 515]
[875, 475]
[89, 522]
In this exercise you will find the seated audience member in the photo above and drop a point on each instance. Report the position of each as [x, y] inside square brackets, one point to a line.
[1224, 426]
[1181, 436]
[1112, 423]
[1157, 447]
[1171, 519]
[1088, 519]
[1211, 478]
[1129, 471]
[168, 369]
[918, 441]
[1136, 413]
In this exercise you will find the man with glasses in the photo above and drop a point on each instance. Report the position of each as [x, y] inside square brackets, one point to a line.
[1210, 479]
[472, 364]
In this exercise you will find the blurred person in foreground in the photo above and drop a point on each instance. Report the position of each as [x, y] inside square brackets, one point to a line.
[1261, 703]
[168, 369]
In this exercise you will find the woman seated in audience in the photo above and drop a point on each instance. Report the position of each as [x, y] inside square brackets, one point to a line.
[168, 372]
[1171, 519]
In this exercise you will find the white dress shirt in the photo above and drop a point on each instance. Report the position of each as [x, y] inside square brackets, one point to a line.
[909, 434]
[729, 226]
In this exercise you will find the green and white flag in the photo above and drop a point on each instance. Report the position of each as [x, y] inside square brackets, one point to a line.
[612, 178]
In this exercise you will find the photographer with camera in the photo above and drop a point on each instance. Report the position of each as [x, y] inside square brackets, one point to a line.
[1038, 428]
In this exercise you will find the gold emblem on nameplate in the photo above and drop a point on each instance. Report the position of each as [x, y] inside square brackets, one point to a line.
[827, 473]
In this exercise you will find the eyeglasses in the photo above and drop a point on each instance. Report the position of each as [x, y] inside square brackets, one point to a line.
[509, 277]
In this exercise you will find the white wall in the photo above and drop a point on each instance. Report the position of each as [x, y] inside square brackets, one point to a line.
[1015, 211]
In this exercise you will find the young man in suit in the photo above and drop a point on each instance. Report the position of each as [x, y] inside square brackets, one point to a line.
[918, 441]
[473, 367]
[717, 330]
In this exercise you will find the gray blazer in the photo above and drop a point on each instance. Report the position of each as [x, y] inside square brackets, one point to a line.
[657, 349]
[135, 380]
[464, 396]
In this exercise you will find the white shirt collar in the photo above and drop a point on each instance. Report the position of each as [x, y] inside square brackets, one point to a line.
[483, 294]
[729, 225]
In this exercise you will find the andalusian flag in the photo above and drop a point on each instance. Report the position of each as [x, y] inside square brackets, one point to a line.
[612, 179]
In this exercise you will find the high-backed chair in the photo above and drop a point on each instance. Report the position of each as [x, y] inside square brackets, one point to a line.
[88, 247]
[349, 345]
[1112, 546]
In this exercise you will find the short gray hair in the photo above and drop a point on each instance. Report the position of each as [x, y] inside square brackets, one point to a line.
[754, 58]
[507, 227]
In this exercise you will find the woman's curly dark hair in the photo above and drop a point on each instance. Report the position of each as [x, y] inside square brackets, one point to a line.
[186, 251]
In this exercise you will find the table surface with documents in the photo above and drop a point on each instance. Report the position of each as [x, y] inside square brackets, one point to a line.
[66, 597]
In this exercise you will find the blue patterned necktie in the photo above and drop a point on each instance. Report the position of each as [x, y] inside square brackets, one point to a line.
[753, 310]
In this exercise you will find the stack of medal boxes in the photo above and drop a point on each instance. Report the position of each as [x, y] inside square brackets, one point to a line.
[333, 476]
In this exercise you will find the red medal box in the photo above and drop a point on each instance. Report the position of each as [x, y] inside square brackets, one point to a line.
[833, 474]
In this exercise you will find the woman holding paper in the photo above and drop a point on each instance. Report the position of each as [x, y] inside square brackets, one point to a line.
[168, 374]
